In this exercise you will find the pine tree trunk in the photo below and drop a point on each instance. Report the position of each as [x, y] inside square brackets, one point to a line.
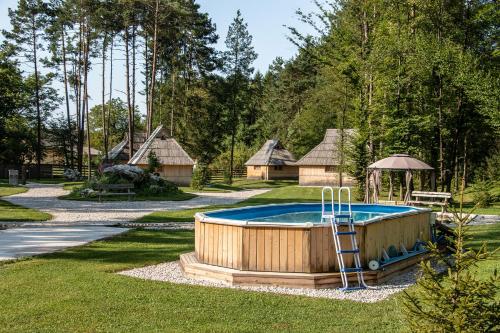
[153, 73]
[146, 74]
[134, 28]
[129, 105]
[66, 95]
[108, 123]
[80, 110]
[342, 136]
[37, 101]
[86, 96]
[172, 105]
[104, 122]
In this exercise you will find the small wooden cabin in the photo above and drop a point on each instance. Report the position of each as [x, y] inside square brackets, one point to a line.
[176, 165]
[54, 152]
[272, 161]
[320, 166]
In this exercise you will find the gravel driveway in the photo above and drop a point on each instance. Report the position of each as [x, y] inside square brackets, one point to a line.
[70, 212]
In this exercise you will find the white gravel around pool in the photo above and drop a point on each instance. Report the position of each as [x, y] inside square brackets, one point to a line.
[171, 272]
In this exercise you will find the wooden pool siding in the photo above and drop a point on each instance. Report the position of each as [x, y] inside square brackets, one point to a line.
[301, 249]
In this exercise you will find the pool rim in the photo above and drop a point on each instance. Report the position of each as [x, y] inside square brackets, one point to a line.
[203, 218]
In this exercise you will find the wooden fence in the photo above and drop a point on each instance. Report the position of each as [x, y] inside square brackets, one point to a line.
[46, 171]
[217, 175]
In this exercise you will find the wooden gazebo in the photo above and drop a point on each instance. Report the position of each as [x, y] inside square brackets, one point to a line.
[395, 163]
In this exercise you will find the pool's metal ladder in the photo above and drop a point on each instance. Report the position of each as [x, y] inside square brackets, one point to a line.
[343, 218]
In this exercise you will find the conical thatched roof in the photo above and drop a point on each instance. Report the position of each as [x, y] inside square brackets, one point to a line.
[327, 153]
[120, 151]
[168, 151]
[272, 153]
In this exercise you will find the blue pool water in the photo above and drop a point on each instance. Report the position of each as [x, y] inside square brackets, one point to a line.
[305, 213]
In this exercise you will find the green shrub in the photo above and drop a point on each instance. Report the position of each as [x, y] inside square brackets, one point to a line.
[481, 194]
[153, 162]
[201, 177]
[145, 183]
[154, 190]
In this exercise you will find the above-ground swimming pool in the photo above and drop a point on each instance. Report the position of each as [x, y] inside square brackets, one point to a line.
[265, 243]
[303, 213]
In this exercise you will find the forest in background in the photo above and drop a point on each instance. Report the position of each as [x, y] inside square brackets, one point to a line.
[412, 76]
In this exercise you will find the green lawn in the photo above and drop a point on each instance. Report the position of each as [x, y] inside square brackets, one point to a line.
[245, 184]
[56, 180]
[76, 290]
[277, 195]
[15, 213]
[71, 185]
[6, 189]
[240, 184]
[179, 196]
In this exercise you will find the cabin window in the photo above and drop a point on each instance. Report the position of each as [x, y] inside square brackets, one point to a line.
[330, 169]
[256, 167]
[278, 167]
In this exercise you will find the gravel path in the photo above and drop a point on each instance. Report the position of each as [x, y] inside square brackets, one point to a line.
[24, 242]
[70, 212]
[171, 272]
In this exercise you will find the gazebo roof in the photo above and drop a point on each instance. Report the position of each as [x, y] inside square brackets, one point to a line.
[400, 162]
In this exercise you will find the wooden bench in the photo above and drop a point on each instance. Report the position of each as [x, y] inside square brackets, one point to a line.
[115, 189]
[431, 199]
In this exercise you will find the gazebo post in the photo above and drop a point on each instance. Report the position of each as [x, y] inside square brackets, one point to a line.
[401, 187]
[409, 180]
[391, 175]
[376, 184]
[367, 186]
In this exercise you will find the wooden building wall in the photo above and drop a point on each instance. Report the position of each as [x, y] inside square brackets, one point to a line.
[322, 176]
[177, 174]
[265, 172]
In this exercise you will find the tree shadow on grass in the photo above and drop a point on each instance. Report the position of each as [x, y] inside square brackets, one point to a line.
[481, 234]
[131, 249]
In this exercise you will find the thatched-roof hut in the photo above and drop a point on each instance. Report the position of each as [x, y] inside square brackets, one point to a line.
[272, 161]
[176, 165]
[120, 152]
[320, 166]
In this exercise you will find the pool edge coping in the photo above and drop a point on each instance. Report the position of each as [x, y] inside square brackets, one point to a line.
[203, 218]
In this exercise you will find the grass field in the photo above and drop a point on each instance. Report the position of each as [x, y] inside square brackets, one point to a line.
[179, 196]
[288, 193]
[6, 189]
[15, 213]
[240, 184]
[76, 290]
[278, 195]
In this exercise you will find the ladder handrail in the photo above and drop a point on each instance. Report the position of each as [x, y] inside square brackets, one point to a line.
[345, 188]
[335, 222]
[325, 189]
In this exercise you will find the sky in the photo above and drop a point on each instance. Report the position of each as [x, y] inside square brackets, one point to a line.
[266, 21]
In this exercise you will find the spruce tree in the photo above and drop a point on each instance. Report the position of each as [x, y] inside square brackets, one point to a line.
[458, 300]
[238, 66]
